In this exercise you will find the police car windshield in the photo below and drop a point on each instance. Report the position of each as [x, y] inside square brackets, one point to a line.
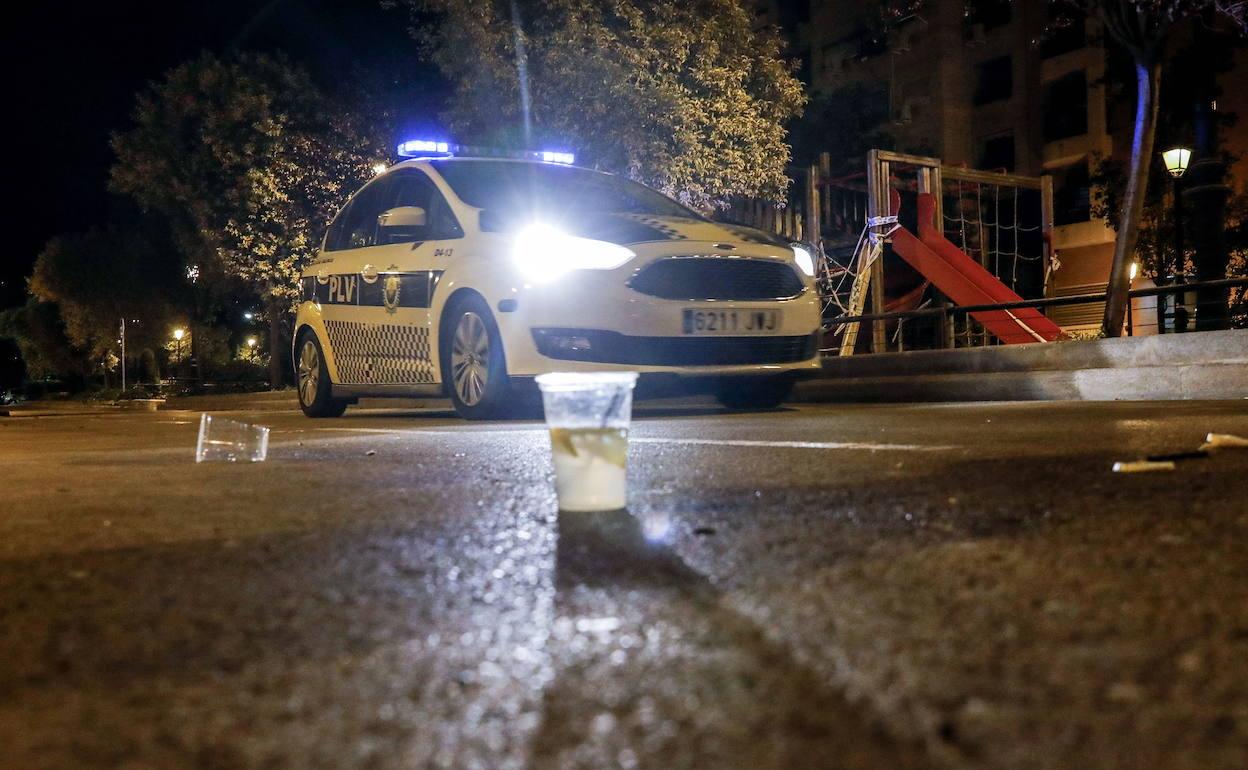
[512, 187]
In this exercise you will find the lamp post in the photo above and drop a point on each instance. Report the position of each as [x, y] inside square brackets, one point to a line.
[1132, 273]
[1176, 159]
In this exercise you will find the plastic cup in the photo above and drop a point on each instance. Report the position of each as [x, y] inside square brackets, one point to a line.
[230, 441]
[588, 416]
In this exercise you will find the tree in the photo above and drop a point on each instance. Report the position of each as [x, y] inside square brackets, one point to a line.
[684, 95]
[853, 120]
[99, 277]
[247, 161]
[1142, 28]
[40, 335]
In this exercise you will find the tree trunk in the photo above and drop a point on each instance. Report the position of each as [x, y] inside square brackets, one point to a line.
[274, 312]
[1147, 82]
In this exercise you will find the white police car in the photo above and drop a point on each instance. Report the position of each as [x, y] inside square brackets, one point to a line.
[462, 276]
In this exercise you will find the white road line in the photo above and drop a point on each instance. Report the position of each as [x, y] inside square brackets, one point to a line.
[861, 446]
[856, 445]
[395, 431]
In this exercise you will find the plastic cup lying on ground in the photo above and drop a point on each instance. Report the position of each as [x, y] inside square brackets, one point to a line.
[230, 440]
[588, 416]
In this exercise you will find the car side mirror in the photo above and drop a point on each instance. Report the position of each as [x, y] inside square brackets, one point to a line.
[403, 216]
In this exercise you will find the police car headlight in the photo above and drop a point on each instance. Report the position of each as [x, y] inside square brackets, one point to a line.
[806, 262]
[543, 253]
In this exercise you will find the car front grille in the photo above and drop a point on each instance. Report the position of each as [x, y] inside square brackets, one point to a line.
[698, 278]
[604, 347]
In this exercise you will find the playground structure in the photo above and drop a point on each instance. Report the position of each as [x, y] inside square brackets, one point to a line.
[910, 233]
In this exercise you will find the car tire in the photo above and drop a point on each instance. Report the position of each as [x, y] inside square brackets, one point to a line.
[312, 383]
[474, 367]
[745, 393]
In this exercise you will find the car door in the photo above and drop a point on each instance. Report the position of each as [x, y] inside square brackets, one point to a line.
[415, 232]
[349, 245]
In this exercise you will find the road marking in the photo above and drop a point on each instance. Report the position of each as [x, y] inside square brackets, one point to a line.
[855, 445]
[862, 446]
[370, 430]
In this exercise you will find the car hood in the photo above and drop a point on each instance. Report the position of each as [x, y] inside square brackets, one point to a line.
[631, 229]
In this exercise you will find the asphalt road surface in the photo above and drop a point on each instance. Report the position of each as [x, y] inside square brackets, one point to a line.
[929, 586]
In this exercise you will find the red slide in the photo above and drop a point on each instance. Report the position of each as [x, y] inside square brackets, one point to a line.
[965, 281]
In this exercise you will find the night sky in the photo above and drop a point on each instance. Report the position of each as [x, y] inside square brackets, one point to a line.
[74, 67]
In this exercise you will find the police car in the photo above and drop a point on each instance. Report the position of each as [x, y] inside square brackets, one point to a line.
[463, 276]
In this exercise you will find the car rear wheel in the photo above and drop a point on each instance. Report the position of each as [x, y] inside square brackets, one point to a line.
[754, 392]
[312, 380]
[473, 365]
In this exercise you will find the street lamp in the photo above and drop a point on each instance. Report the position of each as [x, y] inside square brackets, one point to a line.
[178, 334]
[251, 342]
[1176, 159]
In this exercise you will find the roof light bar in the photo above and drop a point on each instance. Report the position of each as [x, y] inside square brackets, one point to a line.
[427, 148]
[424, 148]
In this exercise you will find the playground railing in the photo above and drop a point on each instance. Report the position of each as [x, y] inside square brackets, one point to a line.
[1170, 309]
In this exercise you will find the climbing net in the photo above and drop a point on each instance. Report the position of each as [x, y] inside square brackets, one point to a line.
[840, 281]
[838, 274]
[999, 225]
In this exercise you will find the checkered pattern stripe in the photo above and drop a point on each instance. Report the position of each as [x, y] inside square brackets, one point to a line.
[663, 227]
[381, 354]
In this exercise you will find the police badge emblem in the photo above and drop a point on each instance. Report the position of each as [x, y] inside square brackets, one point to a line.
[390, 291]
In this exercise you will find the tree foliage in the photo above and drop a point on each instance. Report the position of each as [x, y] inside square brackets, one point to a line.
[246, 160]
[40, 335]
[106, 274]
[853, 120]
[683, 95]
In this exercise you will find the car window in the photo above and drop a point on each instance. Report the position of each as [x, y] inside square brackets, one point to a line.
[333, 235]
[414, 188]
[442, 222]
[359, 220]
[410, 188]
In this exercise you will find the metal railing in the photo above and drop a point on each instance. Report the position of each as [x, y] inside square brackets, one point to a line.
[1176, 308]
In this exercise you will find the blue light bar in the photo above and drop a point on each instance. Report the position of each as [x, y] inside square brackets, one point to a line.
[565, 158]
[429, 148]
[424, 148]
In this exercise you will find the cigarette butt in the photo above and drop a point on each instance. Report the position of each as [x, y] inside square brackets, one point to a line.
[1143, 466]
[1224, 441]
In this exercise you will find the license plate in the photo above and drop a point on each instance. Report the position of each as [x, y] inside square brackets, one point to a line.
[730, 322]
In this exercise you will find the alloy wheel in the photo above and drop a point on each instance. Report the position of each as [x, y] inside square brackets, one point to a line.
[309, 372]
[470, 359]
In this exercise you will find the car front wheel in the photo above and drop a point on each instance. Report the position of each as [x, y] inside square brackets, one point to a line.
[314, 388]
[473, 365]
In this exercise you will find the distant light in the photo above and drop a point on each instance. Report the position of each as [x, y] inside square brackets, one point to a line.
[249, 315]
[1176, 159]
[417, 148]
[251, 342]
[178, 334]
[379, 168]
[1134, 270]
[192, 273]
[550, 156]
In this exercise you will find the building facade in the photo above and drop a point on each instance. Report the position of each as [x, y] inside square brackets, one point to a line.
[986, 88]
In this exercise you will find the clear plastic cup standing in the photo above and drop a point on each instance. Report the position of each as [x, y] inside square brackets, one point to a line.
[588, 416]
[230, 440]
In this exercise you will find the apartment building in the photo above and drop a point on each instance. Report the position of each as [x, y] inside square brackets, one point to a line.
[983, 86]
